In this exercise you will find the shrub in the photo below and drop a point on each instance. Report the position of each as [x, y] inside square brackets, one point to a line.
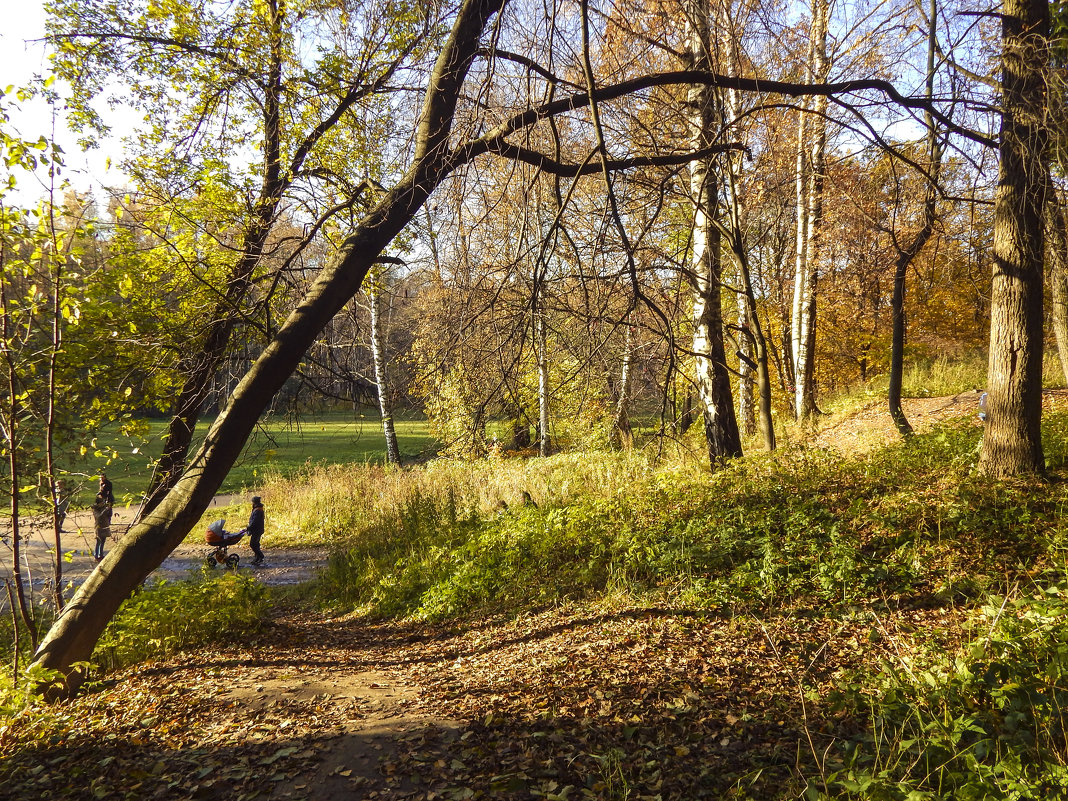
[172, 616]
[988, 723]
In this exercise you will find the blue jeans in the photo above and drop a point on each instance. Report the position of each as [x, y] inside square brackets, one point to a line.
[98, 550]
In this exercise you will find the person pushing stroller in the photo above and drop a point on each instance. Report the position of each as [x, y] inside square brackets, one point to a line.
[254, 529]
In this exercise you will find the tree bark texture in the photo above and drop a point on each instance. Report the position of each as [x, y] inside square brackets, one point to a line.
[542, 345]
[811, 175]
[74, 635]
[622, 436]
[1057, 252]
[712, 379]
[754, 333]
[11, 431]
[1012, 441]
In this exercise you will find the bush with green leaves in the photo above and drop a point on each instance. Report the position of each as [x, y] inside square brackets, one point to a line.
[801, 526]
[988, 723]
[168, 617]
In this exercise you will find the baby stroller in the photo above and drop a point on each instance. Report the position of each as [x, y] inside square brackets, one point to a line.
[222, 540]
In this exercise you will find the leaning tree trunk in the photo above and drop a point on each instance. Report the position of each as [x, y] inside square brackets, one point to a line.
[1012, 441]
[374, 301]
[73, 636]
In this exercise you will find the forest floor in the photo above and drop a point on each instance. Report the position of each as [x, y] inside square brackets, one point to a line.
[603, 701]
[568, 703]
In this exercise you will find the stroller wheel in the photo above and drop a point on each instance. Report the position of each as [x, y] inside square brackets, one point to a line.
[232, 560]
[209, 561]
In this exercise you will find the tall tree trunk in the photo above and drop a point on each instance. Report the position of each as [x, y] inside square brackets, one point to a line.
[55, 349]
[801, 173]
[754, 332]
[11, 434]
[200, 366]
[622, 437]
[753, 347]
[73, 636]
[906, 255]
[1057, 251]
[746, 373]
[712, 382]
[378, 357]
[1012, 441]
[542, 346]
[804, 322]
[801, 262]
[729, 19]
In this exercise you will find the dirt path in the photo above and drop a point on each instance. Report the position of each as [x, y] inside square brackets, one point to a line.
[571, 703]
[872, 427]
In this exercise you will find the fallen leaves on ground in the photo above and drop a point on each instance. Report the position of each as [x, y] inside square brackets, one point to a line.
[568, 703]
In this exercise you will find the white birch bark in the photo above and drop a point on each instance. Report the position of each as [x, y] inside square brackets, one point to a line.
[385, 406]
[1057, 259]
[621, 432]
[806, 275]
[800, 257]
[712, 380]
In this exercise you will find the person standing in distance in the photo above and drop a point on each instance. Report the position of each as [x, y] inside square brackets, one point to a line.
[254, 529]
[101, 524]
[106, 491]
[62, 502]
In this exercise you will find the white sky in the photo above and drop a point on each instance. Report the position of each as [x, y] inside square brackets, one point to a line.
[21, 58]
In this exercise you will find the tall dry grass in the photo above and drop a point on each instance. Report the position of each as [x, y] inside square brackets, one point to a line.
[331, 504]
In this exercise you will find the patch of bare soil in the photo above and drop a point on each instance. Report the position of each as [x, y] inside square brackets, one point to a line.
[872, 427]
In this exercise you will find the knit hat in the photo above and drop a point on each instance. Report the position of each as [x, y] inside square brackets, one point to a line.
[256, 500]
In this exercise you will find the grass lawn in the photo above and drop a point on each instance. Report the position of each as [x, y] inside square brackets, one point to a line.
[278, 445]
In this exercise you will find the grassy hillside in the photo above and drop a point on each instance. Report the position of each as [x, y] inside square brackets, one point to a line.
[804, 540]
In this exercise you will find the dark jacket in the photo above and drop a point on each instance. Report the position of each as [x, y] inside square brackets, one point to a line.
[255, 522]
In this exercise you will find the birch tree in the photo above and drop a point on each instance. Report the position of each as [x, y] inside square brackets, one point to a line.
[712, 381]
[374, 287]
[811, 169]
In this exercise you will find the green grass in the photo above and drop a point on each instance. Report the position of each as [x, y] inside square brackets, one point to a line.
[799, 528]
[278, 447]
